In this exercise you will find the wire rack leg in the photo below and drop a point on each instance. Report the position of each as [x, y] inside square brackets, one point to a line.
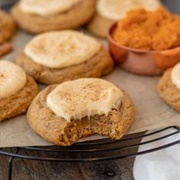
[10, 168]
[10, 165]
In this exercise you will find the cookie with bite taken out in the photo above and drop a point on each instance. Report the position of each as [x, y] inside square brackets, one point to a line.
[64, 113]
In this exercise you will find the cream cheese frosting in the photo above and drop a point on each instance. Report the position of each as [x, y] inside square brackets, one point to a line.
[84, 97]
[117, 9]
[60, 49]
[12, 78]
[46, 7]
[150, 5]
[175, 75]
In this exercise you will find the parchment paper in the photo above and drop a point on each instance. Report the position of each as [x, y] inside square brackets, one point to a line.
[151, 111]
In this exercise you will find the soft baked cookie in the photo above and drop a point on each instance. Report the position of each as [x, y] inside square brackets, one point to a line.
[7, 30]
[59, 56]
[169, 87]
[109, 11]
[7, 27]
[38, 16]
[64, 113]
[17, 90]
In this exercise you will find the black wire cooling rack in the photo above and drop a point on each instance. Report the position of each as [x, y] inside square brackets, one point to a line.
[98, 150]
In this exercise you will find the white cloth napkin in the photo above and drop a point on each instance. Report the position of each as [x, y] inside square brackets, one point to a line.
[160, 165]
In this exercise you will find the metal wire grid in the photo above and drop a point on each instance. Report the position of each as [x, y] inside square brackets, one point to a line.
[98, 150]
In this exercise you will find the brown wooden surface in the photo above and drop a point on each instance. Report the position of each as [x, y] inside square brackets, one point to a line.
[38, 170]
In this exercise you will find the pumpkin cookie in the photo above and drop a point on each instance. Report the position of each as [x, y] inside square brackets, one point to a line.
[7, 27]
[38, 16]
[59, 56]
[110, 11]
[169, 87]
[17, 90]
[64, 113]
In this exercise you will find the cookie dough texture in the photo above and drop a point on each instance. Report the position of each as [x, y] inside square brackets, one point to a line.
[61, 132]
[76, 16]
[168, 91]
[18, 102]
[98, 65]
[7, 27]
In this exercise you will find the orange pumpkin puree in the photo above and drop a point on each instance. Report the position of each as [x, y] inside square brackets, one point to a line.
[148, 30]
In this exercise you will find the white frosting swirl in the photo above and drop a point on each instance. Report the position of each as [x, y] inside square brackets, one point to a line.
[59, 49]
[175, 75]
[46, 7]
[117, 9]
[12, 78]
[84, 97]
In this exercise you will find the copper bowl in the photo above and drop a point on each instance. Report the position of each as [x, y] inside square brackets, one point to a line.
[142, 62]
